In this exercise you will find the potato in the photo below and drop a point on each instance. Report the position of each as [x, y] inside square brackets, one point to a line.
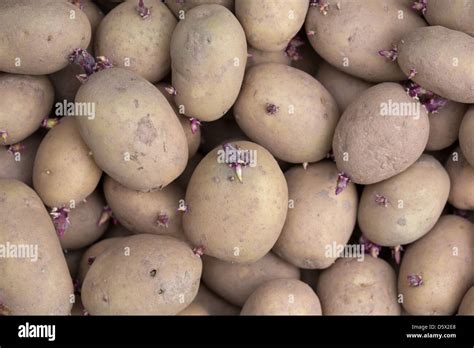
[380, 134]
[17, 161]
[131, 42]
[135, 136]
[467, 303]
[354, 287]
[73, 259]
[235, 282]
[444, 125]
[158, 275]
[455, 15]
[257, 57]
[288, 112]
[35, 279]
[225, 211]
[29, 99]
[208, 57]
[146, 212]
[85, 225]
[207, 303]
[270, 24]
[466, 135]
[179, 8]
[64, 171]
[415, 201]
[343, 87]
[436, 271]
[283, 297]
[308, 234]
[350, 38]
[442, 59]
[185, 176]
[461, 174]
[40, 35]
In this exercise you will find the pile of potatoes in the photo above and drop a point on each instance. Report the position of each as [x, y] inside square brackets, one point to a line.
[226, 157]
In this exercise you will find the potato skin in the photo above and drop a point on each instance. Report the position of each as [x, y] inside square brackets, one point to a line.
[133, 43]
[449, 71]
[135, 122]
[352, 287]
[29, 99]
[466, 135]
[456, 15]
[220, 221]
[160, 276]
[301, 128]
[379, 147]
[308, 233]
[423, 188]
[467, 303]
[461, 174]
[187, 5]
[342, 36]
[208, 58]
[139, 211]
[207, 303]
[270, 24]
[283, 297]
[48, 35]
[43, 287]
[444, 259]
[235, 282]
[64, 171]
[444, 125]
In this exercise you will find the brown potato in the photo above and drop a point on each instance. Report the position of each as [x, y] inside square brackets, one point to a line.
[207, 303]
[466, 135]
[455, 15]
[179, 8]
[461, 174]
[444, 125]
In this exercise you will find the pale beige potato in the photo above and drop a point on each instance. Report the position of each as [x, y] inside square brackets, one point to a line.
[301, 127]
[39, 284]
[416, 198]
[456, 15]
[40, 35]
[318, 220]
[135, 136]
[257, 57]
[466, 135]
[270, 24]
[467, 303]
[282, 297]
[350, 38]
[442, 59]
[159, 276]
[208, 303]
[233, 220]
[208, 58]
[443, 259]
[64, 171]
[444, 125]
[461, 174]
[372, 143]
[24, 102]
[179, 8]
[354, 286]
[235, 282]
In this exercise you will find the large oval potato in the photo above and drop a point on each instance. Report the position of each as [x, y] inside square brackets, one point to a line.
[142, 275]
[64, 169]
[208, 58]
[236, 219]
[466, 135]
[288, 112]
[350, 38]
[270, 24]
[207, 303]
[358, 287]
[414, 201]
[235, 282]
[180, 8]
[442, 59]
[24, 102]
[318, 220]
[461, 174]
[135, 136]
[436, 271]
[444, 125]
[35, 280]
[283, 297]
[40, 35]
[467, 304]
[146, 212]
[131, 42]
[380, 134]
[457, 15]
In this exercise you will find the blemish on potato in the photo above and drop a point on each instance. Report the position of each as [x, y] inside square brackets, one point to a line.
[401, 221]
[146, 131]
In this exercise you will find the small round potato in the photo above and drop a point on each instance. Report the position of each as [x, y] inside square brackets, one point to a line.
[318, 220]
[282, 297]
[207, 303]
[142, 275]
[461, 174]
[436, 271]
[456, 15]
[236, 282]
[180, 8]
[466, 135]
[467, 303]
[359, 287]
[444, 125]
[237, 201]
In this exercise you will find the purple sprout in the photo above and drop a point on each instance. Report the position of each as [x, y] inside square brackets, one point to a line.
[432, 102]
[171, 90]
[183, 207]
[87, 62]
[199, 250]
[415, 280]
[420, 5]
[342, 182]
[390, 54]
[195, 124]
[397, 253]
[142, 10]
[91, 260]
[12, 149]
[323, 6]
[239, 164]
[369, 246]
[292, 49]
[163, 220]
[412, 74]
[271, 109]
[78, 3]
[381, 200]
[49, 123]
[60, 220]
[106, 216]
[3, 136]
